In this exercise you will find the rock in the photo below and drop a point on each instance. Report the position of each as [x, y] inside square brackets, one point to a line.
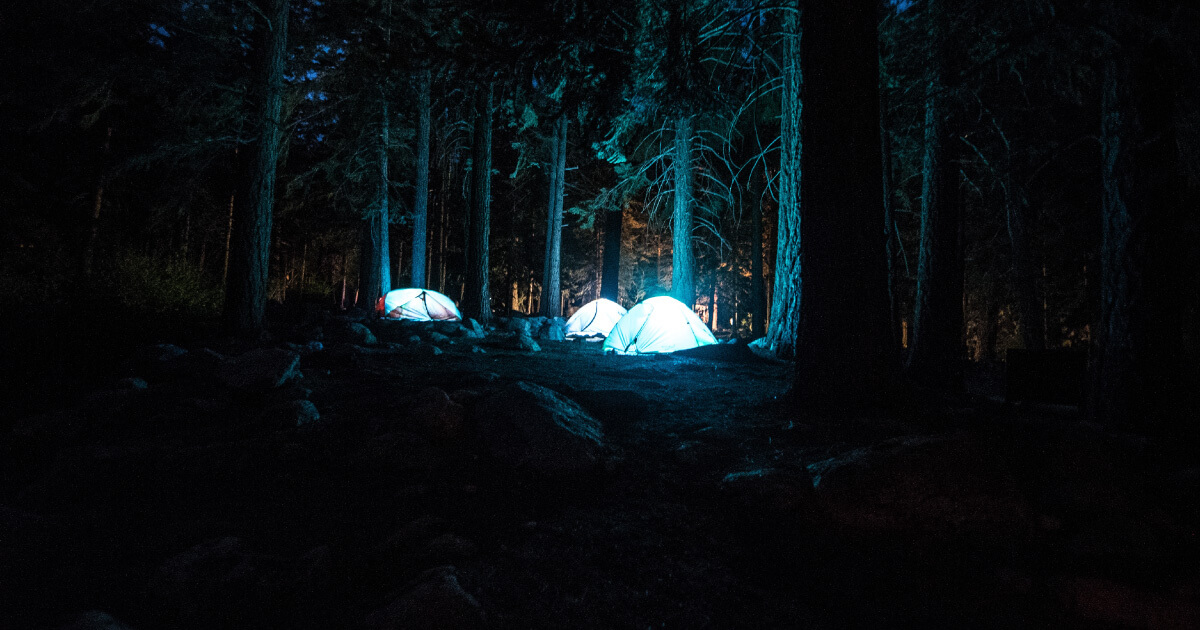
[133, 383]
[293, 413]
[531, 428]
[930, 485]
[1115, 604]
[448, 548]
[211, 575]
[161, 353]
[441, 417]
[771, 493]
[428, 350]
[554, 329]
[59, 425]
[262, 370]
[437, 337]
[525, 343]
[395, 453]
[434, 600]
[354, 332]
[474, 329]
[95, 620]
[478, 350]
[519, 325]
[414, 339]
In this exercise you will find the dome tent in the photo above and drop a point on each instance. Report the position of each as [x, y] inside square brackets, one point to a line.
[595, 319]
[658, 324]
[421, 305]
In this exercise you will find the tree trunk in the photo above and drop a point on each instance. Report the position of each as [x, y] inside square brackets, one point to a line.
[476, 300]
[610, 283]
[551, 272]
[785, 304]
[843, 355]
[1025, 274]
[937, 349]
[1143, 370]
[758, 296]
[375, 268]
[683, 259]
[89, 250]
[246, 289]
[421, 201]
[889, 220]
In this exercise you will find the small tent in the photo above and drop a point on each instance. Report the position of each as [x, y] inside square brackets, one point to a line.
[594, 319]
[421, 305]
[658, 324]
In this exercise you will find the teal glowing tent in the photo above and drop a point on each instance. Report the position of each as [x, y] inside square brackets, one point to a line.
[659, 324]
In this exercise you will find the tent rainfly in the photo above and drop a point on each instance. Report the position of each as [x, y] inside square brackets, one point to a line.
[659, 324]
[421, 305]
[594, 319]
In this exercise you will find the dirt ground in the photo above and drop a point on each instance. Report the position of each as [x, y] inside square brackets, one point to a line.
[182, 509]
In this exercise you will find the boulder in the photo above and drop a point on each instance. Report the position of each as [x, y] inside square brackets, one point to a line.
[770, 493]
[518, 325]
[209, 576]
[437, 337]
[553, 329]
[353, 332]
[293, 413]
[95, 620]
[433, 600]
[935, 485]
[440, 417]
[474, 329]
[260, 371]
[531, 428]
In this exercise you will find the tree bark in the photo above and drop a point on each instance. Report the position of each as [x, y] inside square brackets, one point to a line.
[937, 350]
[421, 200]
[1143, 372]
[843, 358]
[246, 288]
[476, 300]
[1025, 274]
[375, 268]
[785, 302]
[551, 271]
[758, 295]
[683, 259]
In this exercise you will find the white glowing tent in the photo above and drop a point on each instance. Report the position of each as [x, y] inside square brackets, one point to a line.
[421, 305]
[595, 319]
[659, 324]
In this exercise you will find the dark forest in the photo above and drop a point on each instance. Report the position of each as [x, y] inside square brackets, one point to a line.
[637, 313]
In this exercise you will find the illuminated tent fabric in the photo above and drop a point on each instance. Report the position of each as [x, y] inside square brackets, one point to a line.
[659, 324]
[421, 305]
[595, 319]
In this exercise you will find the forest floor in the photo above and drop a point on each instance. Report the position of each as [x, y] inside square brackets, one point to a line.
[178, 500]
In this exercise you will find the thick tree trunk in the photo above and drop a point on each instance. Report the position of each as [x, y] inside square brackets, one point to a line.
[421, 200]
[683, 259]
[885, 141]
[374, 267]
[476, 300]
[785, 302]
[228, 239]
[937, 349]
[1143, 373]
[551, 272]
[610, 283]
[1025, 275]
[246, 288]
[843, 355]
[758, 295]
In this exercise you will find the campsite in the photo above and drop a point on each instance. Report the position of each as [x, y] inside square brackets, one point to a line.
[696, 314]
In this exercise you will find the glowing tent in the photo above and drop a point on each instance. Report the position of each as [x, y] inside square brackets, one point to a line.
[658, 324]
[594, 319]
[421, 305]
